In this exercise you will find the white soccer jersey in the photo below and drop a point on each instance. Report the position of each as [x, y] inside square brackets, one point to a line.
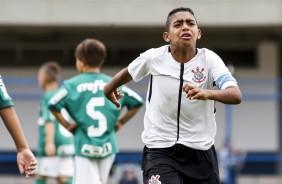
[170, 117]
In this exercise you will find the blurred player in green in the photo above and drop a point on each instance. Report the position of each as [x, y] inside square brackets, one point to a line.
[55, 144]
[25, 158]
[96, 117]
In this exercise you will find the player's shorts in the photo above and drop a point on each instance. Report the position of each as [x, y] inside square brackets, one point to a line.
[179, 165]
[55, 166]
[92, 171]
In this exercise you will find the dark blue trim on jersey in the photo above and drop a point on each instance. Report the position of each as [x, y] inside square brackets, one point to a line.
[224, 78]
[150, 90]
[179, 97]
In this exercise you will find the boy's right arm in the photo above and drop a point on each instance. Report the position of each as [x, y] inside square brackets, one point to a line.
[69, 126]
[111, 90]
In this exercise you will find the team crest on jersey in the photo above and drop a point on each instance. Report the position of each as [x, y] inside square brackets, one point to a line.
[155, 180]
[198, 75]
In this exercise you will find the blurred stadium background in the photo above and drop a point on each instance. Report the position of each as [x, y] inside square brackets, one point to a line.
[247, 34]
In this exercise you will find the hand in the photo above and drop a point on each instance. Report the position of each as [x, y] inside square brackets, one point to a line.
[72, 127]
[113, 96]
[194, 93]
[26, 162]
[50, 149]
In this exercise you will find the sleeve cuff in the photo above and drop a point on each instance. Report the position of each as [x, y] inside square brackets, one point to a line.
[228, 84]
[5, 104]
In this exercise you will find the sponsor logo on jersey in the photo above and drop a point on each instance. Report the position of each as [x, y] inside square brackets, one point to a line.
[97, 151]
[59, 96]
[3, 89]
[155, 179]
[91, 86]
[198, 75]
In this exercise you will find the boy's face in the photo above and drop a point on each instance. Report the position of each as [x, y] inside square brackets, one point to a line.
[183, 30]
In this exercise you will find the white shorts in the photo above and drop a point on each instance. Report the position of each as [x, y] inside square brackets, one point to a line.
[55, 166]
[92, 171]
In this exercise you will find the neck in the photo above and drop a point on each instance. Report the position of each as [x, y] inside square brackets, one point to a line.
[91, 69]
[183, 55]
[51, 86]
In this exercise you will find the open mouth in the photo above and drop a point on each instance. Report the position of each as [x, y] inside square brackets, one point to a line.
[186, 36]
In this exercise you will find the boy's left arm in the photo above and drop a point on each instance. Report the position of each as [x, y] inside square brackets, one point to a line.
[229, 95]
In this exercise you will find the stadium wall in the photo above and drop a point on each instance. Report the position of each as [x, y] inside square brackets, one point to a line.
[131, 12]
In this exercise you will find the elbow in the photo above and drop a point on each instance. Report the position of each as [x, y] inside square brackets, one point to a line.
[236, 96]
[237, 100]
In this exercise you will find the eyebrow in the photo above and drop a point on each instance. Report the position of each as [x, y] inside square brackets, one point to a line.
[182, 20]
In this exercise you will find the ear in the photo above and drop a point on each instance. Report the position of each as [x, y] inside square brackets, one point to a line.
[199, 34]
[166, 37]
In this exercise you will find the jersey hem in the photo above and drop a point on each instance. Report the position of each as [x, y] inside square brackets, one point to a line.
[167, 145]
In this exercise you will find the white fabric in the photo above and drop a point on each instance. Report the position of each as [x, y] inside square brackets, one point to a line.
[197, 119]
[55, 166]
[92, 171]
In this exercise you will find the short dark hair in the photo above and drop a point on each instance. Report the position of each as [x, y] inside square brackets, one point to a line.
[51, 70]
[91, 51]
[174, 11]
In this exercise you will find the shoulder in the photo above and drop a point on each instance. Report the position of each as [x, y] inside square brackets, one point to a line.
[105, 77]
[48, 95]
[72, 79]
[86, 76]
[208, 53]
[154, 52]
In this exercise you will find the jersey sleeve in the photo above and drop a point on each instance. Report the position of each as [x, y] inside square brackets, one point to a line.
[58, 101]
[220, 73]
[46, 114]
[5, 99]
[131, 98]
[139, 68]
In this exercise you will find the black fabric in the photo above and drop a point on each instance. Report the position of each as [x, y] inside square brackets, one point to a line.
[214, 111]
[179, 97]
[150, 90]
[180, 165]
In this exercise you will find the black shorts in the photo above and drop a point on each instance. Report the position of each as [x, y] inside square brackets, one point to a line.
[179, 165]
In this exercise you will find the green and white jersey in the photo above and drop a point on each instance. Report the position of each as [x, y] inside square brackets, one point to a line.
[5, 99]
[64, 141]
[95, 115]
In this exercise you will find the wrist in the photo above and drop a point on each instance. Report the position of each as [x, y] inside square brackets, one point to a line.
[210, 94]
[107, 89]
[22, 148]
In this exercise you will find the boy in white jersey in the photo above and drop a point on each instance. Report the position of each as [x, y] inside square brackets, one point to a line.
[179, 123]
[96, 118]
[25, 158]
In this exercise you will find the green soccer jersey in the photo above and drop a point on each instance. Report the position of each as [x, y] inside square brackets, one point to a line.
[96, 116]
[64, 141]
[5, 99]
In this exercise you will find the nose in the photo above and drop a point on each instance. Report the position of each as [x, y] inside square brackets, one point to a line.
[185, 26]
